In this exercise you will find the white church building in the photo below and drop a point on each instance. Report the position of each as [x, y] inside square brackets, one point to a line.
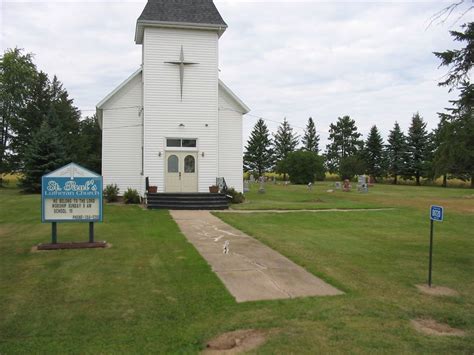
[173, 120]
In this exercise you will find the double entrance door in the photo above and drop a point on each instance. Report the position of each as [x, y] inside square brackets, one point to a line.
[181, 172]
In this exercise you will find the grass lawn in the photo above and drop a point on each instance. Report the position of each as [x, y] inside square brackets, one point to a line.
[152, 292]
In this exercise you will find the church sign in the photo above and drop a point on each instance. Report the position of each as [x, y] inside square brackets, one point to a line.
[71, 194]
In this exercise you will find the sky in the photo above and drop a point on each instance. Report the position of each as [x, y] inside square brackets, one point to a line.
[370, 60]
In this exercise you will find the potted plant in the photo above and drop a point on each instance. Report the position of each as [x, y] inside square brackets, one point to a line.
[152, 189]
[214, 189]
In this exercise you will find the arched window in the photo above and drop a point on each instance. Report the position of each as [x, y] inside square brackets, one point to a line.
[173, 164]
[189, 164]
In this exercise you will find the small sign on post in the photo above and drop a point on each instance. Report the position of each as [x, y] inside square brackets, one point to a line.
[436, 214]
[71, 194]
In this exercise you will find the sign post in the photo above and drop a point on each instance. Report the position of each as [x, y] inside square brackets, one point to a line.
[436, 214]
[71, 194]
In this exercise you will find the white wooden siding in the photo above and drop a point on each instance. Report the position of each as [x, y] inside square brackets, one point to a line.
[230, 142]
[122, 138]
[163, 107]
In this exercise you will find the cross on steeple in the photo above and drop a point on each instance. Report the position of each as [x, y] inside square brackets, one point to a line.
[181, 64]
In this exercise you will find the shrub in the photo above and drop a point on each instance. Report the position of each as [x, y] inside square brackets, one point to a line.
[304, 167]
[131, 196]
[111, 192]
[236, 197]
[350, 167]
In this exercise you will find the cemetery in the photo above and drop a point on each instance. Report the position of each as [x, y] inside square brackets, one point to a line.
[152, 290]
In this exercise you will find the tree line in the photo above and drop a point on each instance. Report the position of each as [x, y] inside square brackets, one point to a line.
[446, 151]
[40, 128]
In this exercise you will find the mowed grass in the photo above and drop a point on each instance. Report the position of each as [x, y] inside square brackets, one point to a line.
[297, 197]
[152, 292]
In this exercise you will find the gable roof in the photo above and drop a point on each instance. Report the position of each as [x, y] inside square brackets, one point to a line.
[180, 13]
[99, 107]
[245, 109]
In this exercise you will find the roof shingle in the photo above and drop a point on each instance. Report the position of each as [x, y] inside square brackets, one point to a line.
[185, 11]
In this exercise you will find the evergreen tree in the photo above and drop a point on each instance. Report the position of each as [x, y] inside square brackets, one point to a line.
[284, 142]
[396, 152]
[69, 119]
[90, 139]
[344, 142]
[310, 139]
[460, 61]
[258, 155]
[45, 153]
[374, 156]
[454, 151]
[418, 148]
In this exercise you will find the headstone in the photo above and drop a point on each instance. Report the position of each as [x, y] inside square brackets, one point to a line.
[362, 185]
[337, 185]
[246, 186]
[252, 178]
[362, 179]
[274, 180]
[261, 189]
[310, 186]
[346, 186]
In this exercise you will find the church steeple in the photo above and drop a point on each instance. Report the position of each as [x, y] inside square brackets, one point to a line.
[197, 14]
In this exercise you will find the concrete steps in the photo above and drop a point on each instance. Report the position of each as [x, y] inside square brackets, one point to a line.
[187, 201]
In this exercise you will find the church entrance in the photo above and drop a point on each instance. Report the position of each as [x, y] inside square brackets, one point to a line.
[181, 172]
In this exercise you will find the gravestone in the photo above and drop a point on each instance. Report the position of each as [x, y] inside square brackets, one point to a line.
[252, 178]
[362, 185]
[346, 186]
[246, 186]
[337, 185]
[310, 186]
[261, 189]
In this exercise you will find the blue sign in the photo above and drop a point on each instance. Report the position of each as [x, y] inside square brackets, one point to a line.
[436, 213]
[71, 193]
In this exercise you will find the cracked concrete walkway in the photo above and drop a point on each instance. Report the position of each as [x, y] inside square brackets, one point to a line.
[251, 271]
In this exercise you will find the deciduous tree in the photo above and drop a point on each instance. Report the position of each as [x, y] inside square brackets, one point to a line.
[17, 73]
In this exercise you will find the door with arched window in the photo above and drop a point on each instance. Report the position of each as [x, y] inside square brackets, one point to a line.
[181, 172]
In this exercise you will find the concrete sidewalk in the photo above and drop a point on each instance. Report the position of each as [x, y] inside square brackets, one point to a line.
[251, 271]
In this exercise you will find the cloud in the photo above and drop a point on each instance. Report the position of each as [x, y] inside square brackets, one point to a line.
[370, 60]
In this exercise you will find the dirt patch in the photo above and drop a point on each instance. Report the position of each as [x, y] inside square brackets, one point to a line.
[237, 341]
[437, 290]
[432, 327]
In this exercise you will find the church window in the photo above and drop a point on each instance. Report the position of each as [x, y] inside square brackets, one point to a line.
[181, 143]
[189, 143]
[189, 164]
[173, 164]
[173, 142]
